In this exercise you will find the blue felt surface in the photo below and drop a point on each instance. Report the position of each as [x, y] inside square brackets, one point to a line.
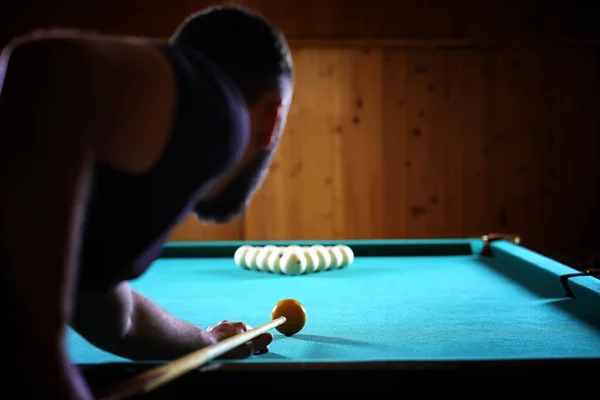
[388, 308]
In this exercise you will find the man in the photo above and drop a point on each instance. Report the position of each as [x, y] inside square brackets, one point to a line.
[107, 143]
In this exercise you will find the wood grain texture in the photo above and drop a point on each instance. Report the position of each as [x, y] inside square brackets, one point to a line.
[332, 19]
[396, 142]
[411, 118]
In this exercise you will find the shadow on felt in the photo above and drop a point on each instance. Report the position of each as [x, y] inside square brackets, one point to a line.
[325, 340]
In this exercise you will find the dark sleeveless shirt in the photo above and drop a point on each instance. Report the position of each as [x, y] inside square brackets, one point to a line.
[129, 218]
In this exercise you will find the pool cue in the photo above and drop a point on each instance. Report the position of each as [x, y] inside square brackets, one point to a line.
[152, 379]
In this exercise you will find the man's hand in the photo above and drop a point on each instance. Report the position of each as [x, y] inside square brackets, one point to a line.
[127, 324]
[226, 329]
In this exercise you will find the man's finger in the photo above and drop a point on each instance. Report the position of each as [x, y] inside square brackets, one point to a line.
[263, 351]
[260, 343]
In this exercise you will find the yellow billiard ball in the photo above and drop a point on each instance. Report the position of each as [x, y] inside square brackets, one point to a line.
[294, 313]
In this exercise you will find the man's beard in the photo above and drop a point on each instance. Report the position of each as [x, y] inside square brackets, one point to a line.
[235, 198]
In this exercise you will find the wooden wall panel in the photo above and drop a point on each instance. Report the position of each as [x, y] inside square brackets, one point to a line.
[298, 198]
[413, 19]
[569, 195]
[328, 176]
[408, 121]
[405, 142]
[358, 143]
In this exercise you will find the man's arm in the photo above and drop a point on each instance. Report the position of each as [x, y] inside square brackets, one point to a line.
[126, 323]
[62, 109]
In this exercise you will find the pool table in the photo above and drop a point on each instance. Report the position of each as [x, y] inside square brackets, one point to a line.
[403, 308]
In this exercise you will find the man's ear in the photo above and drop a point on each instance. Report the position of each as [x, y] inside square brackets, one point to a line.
[272, 116]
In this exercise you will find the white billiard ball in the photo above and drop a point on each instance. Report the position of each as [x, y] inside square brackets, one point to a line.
[262, 257]
[324, 257]
[348, 255]
[273, 260]
[312, 259]
[337, 257]
[240, 254]
[250, 258]
[292, 262]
